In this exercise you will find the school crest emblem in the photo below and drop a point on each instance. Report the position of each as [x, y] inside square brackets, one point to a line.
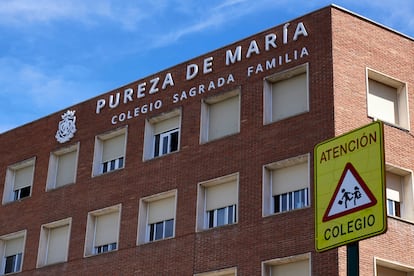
[67, 127]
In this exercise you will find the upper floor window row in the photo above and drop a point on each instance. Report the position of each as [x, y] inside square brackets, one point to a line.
[285, 94]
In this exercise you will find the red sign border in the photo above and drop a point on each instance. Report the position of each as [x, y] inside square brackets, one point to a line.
[364, 186]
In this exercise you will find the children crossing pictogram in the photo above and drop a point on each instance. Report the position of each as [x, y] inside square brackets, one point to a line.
[351, 195]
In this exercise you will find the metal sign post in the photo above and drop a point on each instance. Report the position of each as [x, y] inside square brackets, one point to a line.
[352, 260]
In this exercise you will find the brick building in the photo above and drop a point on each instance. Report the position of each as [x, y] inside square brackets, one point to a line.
[206, 168]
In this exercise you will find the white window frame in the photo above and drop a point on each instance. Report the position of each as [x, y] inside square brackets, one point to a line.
[9, 192]
[90, 248]
[149, 134]
[268, 93]
[392, 265]
[42, 255]
[98, 165]
[290, 201]
[407, 196]
[267, 265]
[3, 243]
[267, 193]
[229, 216]
[205, 114]
[51, 181]
[202, 218]
[220, 272]
[402, 97]
[143, 231]
[163, 232]
[165, 142]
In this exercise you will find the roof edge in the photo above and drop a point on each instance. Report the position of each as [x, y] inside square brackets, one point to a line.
[371, 21]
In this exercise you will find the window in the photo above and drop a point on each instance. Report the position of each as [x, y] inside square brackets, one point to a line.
[221, 216]
[19, 181]
[62, 167]
[12, 250]
[399, 190]
[286, 185]
[286, 94]
[217, 202]
[161, 230]
[391, 268]
[387, 99]
[110, 151]
[162, 134]
[294, 265]
[220, 116]
[54, 242]
[157, 217]
[291, 200]
[102, 230]
[222, 272]
[166, 142]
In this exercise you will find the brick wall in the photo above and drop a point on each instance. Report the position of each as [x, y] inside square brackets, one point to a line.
[253, 239]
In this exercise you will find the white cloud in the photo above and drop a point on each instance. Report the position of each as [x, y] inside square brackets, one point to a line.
[19, 13]
[210, 16]
[29, 92]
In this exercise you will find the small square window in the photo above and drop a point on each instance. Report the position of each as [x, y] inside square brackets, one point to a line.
[387, 99]
[220, 116]
[161, 230]
[54, 242]
[221, 216]
[291, 200]
[166, 142]
[399, 192]
[232, 271]
[286, 185]
[110, 151]
[292, 265]
[19, 181]
[157, 217]
[162, 134]
[12, 251]
[217, 202]
[102, 230]
[62, 167]
[286, 94]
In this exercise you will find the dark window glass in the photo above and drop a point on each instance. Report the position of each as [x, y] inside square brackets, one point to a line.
[211, 219]
[165, 144]
[10, 260]
[174, 141]
[221, 213]
[230, 217]
[158, 230]
[22, 193]
[157, 145]
[152, 231]
[25, 192]
[105, 167]
[13, 263]
[397, 209]
[169, 228]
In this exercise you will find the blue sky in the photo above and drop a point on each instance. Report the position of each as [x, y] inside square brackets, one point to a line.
[56, 53]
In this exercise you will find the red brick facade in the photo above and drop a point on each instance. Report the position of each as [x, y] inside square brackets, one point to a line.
[337, 47]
